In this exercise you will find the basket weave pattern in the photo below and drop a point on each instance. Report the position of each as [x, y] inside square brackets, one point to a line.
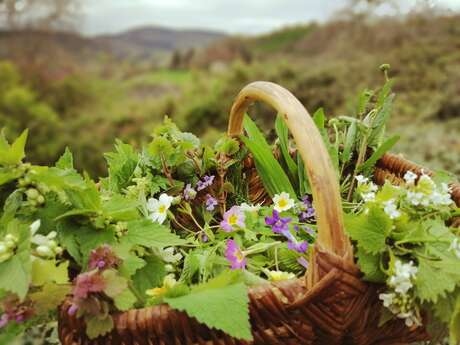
[331, 306]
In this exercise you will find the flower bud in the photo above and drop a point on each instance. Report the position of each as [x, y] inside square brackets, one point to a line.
[3, 248]
[10, 244]
[44, 251]
[41, 199]
[10, 237]
[32, 193]
[58, 250]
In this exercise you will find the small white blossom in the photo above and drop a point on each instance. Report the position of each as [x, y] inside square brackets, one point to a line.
[440, 199]
[361, 179]
[387, 299]
[391, 209]
[368, 196]
[250, 208]
[401, 280]
[168, 255]
[415, 198]
[35, 226]
[283, 202]
[47, 247]
[159, 207]
[455, 247]
[410, 177]
[409, 319]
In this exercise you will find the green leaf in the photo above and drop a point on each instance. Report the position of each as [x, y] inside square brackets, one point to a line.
[50, 297]
[454, 325]
[349, 142]
[283, 136]
[89, 239]
[66, 160]
[14, 153]
[97, 326]
[121, 208]
[149, 276]
[122, 164]
[67, 233]
[369, 230]
[114, 284]
[270, 171]
[46, 271]
[130, 265]
[304, 183]
[384, 148]
[146, 233]
[370, 266]
[221, 304]
[320, 118]
[125, 300]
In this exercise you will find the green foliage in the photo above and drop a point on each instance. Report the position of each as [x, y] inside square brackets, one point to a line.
[213, 302]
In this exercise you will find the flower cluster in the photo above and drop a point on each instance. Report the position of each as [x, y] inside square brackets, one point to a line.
[425, 192]
[46, 246]
[399, 301]
[205, 182]
[103, 257]
[366, 188]
[14, 311]
[7, 247]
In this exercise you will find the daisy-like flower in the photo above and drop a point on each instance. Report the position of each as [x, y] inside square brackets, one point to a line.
[245, 207]
[205, 182]
[283, 202]
[455, 247]
[235, 256]
[102, 258]
[401, 280]
[233, 218]
[276, 276]
[159, 207]
[189, 192]
[391, 209]
[410, 178]
[278, 224]
[210, 203]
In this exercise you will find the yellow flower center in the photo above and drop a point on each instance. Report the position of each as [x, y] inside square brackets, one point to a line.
[233, 219]
[282, 203]
[162, 209]
[239, 255]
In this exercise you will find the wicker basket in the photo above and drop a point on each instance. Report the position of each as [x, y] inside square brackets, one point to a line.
[331, 306]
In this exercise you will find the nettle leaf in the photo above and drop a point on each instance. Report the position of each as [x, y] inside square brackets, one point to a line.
[57, 178]
[146, 233]
[68, 234]
[221, 303]
[121, 208]
[14, 153]
[122, 164]
[12, 204]
[15, 273]
[47, 271]
[50, 297]
[86, 197]
[369, 230]
[66, 160]
[149, 276]
[370, 266]
[98, 325]
[89, 239]
[130, 265]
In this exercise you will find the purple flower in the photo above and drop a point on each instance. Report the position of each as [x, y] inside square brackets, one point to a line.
[211, 202]
[294, 244]
[308, 212]
[205, 182]
[233, 218]
[88, 282]
[189, 192]
[305, 228]
[278, 224]
[204, 238]
[4, 320]
[72, 309]
[235, 256]
[103, 257]
[302, 261]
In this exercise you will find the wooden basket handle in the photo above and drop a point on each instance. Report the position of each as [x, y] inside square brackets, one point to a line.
[318, 165]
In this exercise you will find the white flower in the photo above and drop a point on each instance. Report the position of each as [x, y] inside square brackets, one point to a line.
[361, 179]
[245, 207]
[368, 196]
[387, 299]
[440, 198]
[401, 280]
[276, 276]
[159, 207]
[46, 245]
[168, 255]
[410, 177]
[35, 226]
[415, 198]
[409, 319]
[283, 202]
[391, 210]
[455, 247]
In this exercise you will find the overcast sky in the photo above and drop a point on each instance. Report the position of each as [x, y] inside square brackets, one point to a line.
[233, 16]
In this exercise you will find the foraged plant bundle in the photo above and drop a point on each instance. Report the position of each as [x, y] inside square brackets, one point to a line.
[178, 222]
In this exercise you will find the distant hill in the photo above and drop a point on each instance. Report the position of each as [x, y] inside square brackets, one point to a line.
[146, 41]
[138, 43]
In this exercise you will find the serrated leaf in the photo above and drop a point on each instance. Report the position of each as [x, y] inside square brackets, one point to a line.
[369, 230]
[66, 160]
[146, 233]
[114, 283]
[50, 297]
[130, 265]
[219, 306]
[122, 164]
[121, 208]
[149, 276]
[14, 153]
[369, 264]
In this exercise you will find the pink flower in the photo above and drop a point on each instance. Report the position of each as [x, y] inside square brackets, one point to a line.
[103, 257]
[235, 256]
[233, 218]
[88, 282]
